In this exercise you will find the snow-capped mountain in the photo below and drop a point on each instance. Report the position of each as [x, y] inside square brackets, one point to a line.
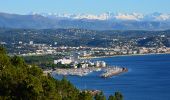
[105, 21]
[111, 16]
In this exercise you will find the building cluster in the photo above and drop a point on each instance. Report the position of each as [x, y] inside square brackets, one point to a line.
[123, 51]
[75, 63]
[31, 48]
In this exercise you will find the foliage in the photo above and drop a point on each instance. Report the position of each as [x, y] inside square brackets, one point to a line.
[42, 60]
[85, 96]
[100, 96]
[19, 81]
[81, 37]
[117, 96]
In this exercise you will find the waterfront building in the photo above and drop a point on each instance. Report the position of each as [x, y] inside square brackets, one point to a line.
[31, 42]
[74, 64]
[63, 61]
[103, 64]
[20, 42]
[100, 64]
[97, 64]
[84, 65]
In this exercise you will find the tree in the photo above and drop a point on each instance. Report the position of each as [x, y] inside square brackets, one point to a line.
[117, 96]
[100, 96]
[17, 61]
[4, 59]
[111, 97]
[19, 81]
[85, 96]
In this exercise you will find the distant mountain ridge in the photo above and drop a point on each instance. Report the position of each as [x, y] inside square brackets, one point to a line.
[106, 21]
[111, 16]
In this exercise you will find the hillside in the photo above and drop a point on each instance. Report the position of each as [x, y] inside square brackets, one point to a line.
[19, 81]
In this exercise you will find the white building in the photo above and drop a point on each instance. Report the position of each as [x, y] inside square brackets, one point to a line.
[31, 42]
[63, 61]
[97, 63]
[50, 51]
[84, 65]
[100, 64]
[103, 64]
[20, 42]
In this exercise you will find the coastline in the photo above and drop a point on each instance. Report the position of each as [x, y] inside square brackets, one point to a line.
[122, 55]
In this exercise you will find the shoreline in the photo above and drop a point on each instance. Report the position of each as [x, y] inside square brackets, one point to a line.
[81, 58]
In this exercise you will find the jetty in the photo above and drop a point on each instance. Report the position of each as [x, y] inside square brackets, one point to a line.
[112, 71]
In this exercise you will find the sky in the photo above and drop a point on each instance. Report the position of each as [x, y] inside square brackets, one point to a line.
[84, 6]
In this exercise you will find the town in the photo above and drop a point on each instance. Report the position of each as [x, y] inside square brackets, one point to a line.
[69, 51]
[85, 51]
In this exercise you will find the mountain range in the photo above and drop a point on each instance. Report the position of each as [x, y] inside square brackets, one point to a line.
[110, 16]
[105, 21]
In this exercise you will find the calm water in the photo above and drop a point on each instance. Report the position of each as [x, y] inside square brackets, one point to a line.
[148, 78]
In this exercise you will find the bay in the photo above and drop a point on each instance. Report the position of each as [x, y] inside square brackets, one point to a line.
[148, 78]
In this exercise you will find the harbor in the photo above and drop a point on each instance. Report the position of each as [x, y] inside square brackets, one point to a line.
[106, 72]
[72, 66]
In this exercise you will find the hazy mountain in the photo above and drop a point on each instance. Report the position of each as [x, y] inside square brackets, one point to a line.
[111, 16]
[105, 21]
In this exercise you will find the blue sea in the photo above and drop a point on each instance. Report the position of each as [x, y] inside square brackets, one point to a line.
[148, 78]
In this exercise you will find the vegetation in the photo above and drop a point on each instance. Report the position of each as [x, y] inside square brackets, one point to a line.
[19, 81]
[100, 96]
[72, 37]
[117, 96]
[44, 61]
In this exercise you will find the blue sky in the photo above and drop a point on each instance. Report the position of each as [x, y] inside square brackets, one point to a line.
[84, 6]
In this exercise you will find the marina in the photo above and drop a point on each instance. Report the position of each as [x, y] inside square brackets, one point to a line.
[106, 72]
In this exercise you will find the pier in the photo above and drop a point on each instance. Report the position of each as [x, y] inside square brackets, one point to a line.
[112, 71]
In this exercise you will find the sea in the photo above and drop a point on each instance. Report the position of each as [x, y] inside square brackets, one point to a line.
[148, 77]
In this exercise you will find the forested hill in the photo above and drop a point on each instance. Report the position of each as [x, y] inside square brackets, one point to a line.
[82, 37]
[19, 81]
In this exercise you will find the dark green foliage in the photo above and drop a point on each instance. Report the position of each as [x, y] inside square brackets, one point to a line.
[19, 81]
[117, 96]
[45, 61]
[111, 97]
[4, 61]
[2, 50]
[100, 96]
[85, 96]
[17, 61]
